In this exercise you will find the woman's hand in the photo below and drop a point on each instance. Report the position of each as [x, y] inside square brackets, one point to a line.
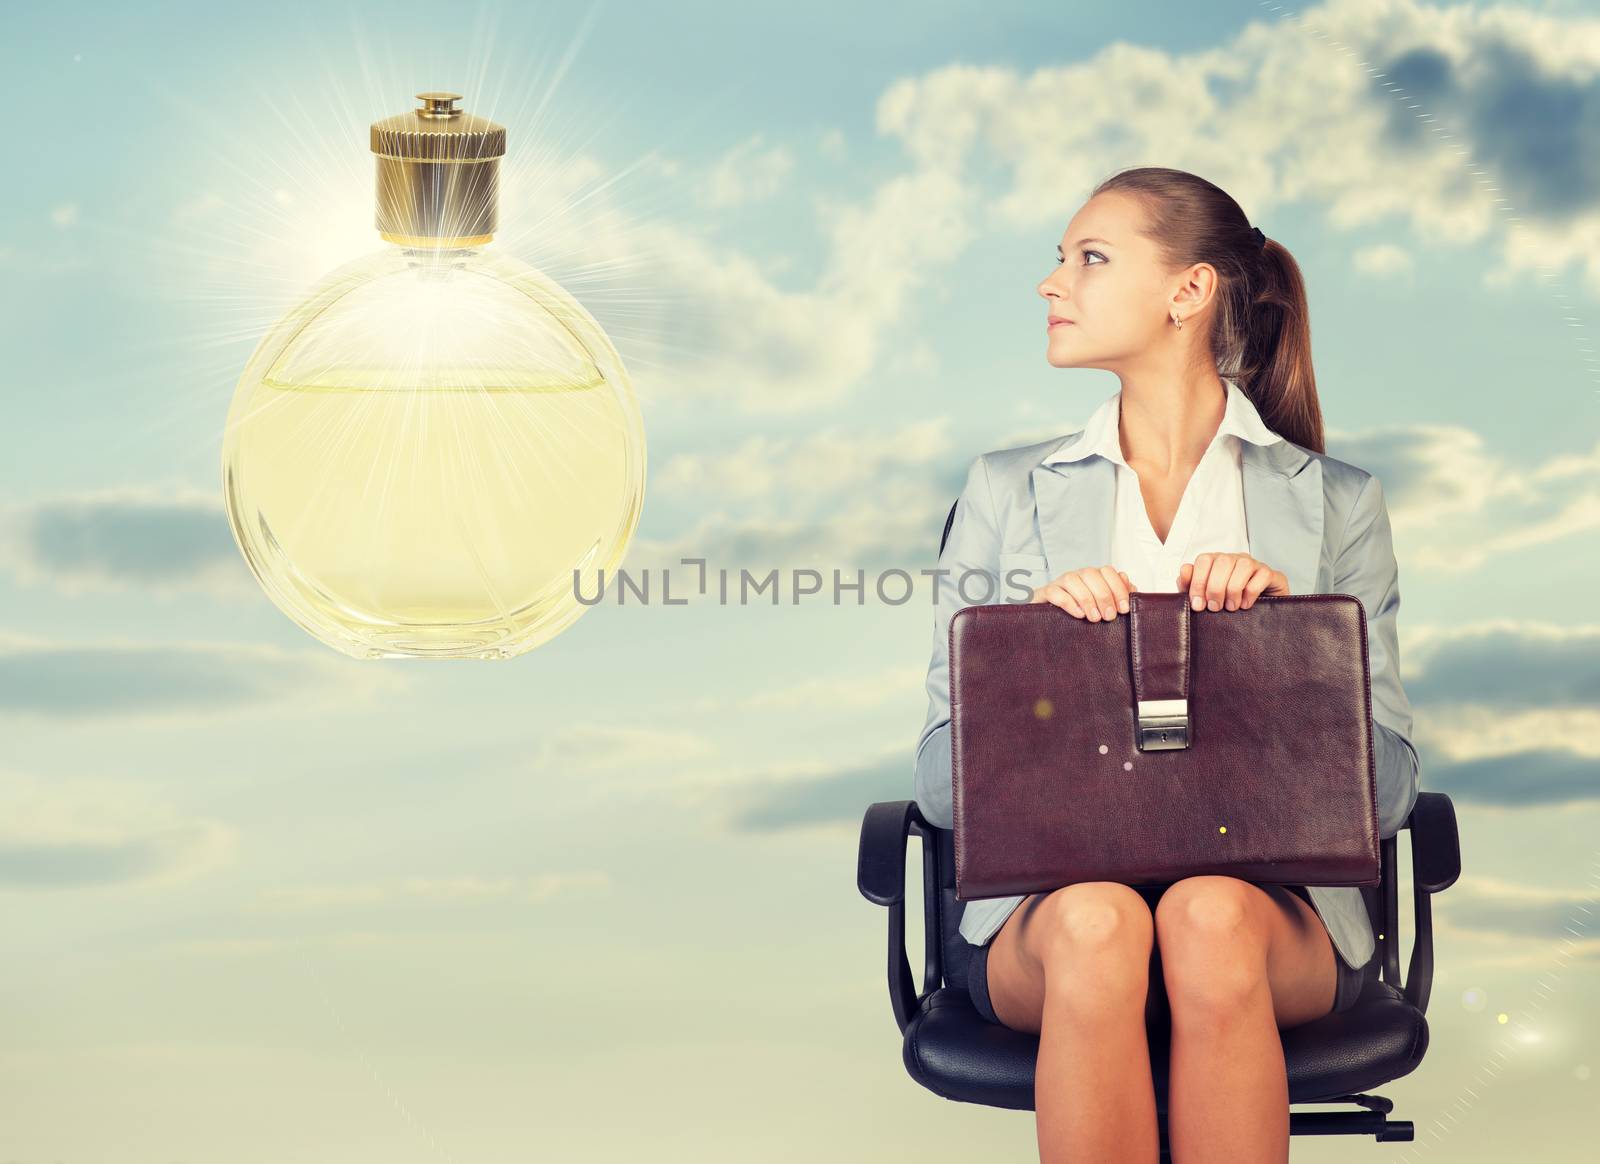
[1094, 592]
[1234, 580]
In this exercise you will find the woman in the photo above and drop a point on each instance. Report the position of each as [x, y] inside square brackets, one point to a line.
[1185, 480]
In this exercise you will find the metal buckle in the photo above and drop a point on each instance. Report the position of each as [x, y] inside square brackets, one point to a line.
[1163, 724]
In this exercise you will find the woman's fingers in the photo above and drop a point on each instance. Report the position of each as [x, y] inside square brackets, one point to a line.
[1062, 597]
[1231, 581]
[1073, 584]
[1257, 582]
[1212, 581]
[1117, 583]
[1244, 566]
[1096, 593]
[1102, 602]
[1192, 578]
[1214, 588]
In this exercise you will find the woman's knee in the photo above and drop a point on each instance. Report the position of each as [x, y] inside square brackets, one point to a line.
[1098, 932]
[1213, 949]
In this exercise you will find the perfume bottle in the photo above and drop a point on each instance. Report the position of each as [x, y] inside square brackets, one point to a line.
[438, 450]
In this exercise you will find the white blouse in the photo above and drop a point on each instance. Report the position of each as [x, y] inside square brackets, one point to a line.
[1210, 517]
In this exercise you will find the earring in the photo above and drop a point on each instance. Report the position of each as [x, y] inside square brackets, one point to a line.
[1177, 321]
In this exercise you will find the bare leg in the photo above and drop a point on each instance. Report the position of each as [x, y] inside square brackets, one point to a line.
[1240, 961]
[1072, 966]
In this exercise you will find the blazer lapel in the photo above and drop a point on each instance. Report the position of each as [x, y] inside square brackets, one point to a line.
[1282, 501]
[1075, 500]
[1283, 511]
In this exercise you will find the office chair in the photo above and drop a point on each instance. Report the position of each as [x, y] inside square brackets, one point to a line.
[955, 1053]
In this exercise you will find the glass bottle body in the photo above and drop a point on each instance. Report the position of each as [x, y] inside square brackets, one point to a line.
[420, 455]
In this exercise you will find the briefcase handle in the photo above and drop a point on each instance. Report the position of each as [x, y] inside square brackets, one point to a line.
[1158, 640]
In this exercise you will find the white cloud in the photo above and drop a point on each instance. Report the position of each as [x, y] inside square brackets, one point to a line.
[751, 171]
[845, 691]
[1280, 117]
[1384, 260]
[1507, 711]
[587, 748]
[1534, 918]
[1457, 504]
[1470, 948]
[1481, 731]
[94, 833]
[455, 889]
[724, 329]
[894, 524]
[831, 460]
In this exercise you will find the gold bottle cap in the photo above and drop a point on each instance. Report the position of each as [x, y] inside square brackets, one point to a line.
[438, 174]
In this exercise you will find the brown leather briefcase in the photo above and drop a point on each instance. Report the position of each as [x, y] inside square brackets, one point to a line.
[1162, 744]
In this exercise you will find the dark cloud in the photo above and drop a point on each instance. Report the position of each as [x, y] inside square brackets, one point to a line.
[62, 864]
[1424, 75]
[126, 540]
[1512, 911]
[1398, 457]
[1538, 133]
[98, 680]
[1548, 776]
[836, 798]
[1511, 669]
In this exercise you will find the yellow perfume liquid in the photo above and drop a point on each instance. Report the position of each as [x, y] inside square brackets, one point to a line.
[437, 519]
[420, 457]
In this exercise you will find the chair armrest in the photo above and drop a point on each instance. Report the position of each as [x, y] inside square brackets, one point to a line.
[1435, 865]
[1435, 842]
[880, 876]
[881, 861]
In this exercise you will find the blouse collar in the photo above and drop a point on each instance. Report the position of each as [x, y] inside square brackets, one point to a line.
[1099, 434]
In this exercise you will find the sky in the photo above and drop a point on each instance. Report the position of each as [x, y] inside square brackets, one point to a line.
[265, 902]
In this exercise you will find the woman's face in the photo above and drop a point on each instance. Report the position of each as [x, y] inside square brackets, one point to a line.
[1110, 287]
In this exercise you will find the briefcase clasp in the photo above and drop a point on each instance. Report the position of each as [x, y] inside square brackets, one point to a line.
[1163, 724]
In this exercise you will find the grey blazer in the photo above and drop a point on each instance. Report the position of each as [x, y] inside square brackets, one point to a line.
[1321, 521]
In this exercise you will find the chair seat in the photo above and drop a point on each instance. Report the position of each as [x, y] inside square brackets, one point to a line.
[951, 1050]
